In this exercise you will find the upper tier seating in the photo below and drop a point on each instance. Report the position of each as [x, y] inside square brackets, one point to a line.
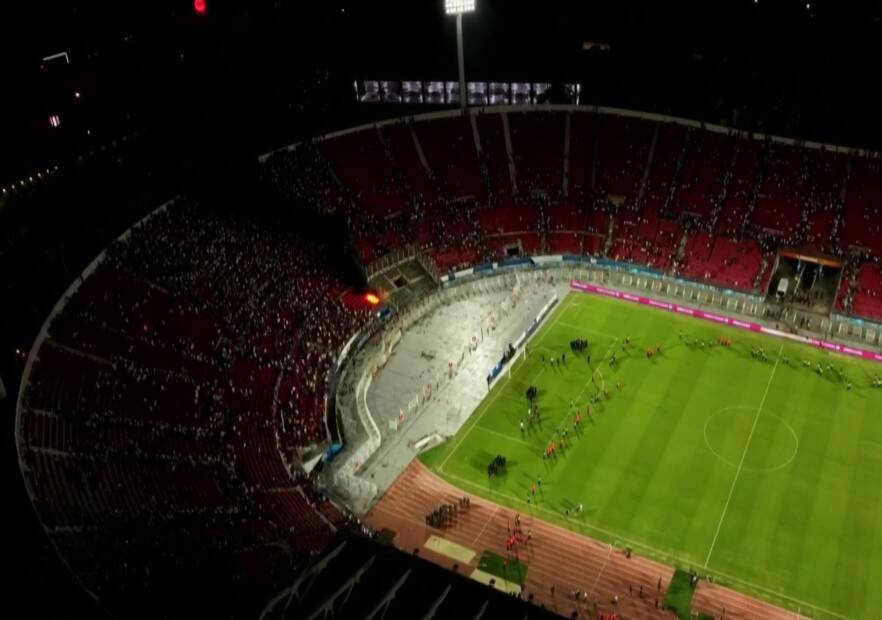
[708, 156]
[868, 293]
[360, 162]
[722, 261]
[664, 162]
[862, 215]
[784, 190]
[537, 142]
[582, 136]
[736, 186]
[623, 152]
[171, 394]
[449, 147]
[495, 157]
[400, 142]
[827, 176]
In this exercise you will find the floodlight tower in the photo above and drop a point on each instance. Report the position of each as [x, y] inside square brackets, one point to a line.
[458, 8]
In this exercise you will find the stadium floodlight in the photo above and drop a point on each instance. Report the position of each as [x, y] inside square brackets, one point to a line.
[458, 8]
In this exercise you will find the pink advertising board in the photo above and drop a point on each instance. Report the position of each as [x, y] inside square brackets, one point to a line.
[723, 320]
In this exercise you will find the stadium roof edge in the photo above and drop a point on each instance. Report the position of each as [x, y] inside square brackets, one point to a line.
[649, 116]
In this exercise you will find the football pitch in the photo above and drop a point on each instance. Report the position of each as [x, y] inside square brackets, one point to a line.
[765, 473]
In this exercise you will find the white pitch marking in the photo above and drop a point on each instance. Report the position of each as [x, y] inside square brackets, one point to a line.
[743, 456]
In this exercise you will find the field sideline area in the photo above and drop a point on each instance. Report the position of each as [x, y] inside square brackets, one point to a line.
[764, 473]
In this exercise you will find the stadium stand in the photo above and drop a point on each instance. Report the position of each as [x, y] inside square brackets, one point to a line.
[867, 294]
[169, 401]
[582, 158]
[449, 147]
[402, 145]
[741, 189]
[174, 392]
[537, 142]
[784, 190]
[701, 181]
[495, 158]
[862, 215]
[668, 147]
[360, 161]
[827, 178]
[623, 145]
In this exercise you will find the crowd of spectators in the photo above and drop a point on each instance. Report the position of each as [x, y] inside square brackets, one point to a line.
[688, 201]
[861, 289]
[182, 378]
[691, 202]
[170, 401]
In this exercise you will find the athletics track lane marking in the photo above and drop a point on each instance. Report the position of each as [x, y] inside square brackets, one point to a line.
[489, 519]
[743, 456]
[602, 568]
[656, 554]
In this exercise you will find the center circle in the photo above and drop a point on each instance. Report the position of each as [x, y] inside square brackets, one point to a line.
[773, 444]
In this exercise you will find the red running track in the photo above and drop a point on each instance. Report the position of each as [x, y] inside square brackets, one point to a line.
[556, 557]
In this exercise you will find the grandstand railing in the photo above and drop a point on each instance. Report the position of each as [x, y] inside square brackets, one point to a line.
[850, 327]
[598, 263]
[396, 257]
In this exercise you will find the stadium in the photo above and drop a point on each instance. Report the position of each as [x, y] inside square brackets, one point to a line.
[478, 349]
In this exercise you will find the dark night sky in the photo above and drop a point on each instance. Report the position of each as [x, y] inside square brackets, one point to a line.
[245, 66]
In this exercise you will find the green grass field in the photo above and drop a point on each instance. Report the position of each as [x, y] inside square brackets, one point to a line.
[495, 564]
[761, 473]
[679, 595]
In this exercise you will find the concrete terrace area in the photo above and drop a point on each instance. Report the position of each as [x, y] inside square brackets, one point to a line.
[423, 354]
